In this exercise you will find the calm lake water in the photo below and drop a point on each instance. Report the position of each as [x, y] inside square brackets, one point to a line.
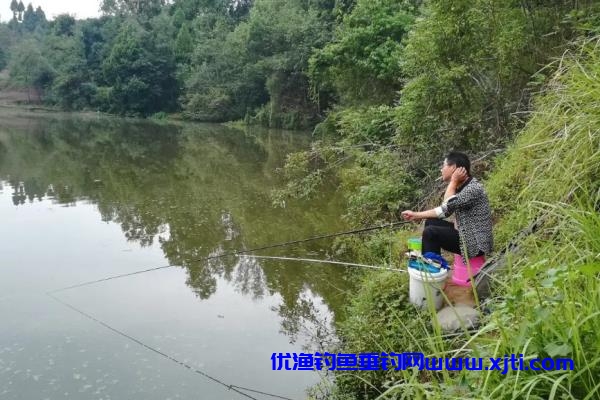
[84, 198]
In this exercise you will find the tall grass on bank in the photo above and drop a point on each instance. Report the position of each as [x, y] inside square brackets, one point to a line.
[547, 303]
[551, 305]
[557, 154]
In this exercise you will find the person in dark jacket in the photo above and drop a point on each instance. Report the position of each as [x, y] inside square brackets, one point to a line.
[465, 197]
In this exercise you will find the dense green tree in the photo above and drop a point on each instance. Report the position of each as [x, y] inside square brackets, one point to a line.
[97, 36]
[238, 9]
[185, 10]
[3, 58]
[178, 18]
[281, 38]
[191, 9]
[362, 63]
[20, 9]
[184, 45]
[71, 87]
[30, 19]
[40, 16]
[64, 25]
[14, 25]
[141, 73]
[343, 7]
[14, 7]
[143, 8]
[6, 38]
[219, 60]
[29, 68]
[261, 60]
[162, 29]
[468, 63]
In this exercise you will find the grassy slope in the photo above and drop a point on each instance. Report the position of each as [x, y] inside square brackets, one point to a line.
[550, 294]
[547, 300]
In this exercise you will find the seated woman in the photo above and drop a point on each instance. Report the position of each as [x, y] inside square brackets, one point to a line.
[465, 197]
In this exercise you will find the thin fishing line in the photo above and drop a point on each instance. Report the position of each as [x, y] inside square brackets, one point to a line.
[260, 392]
[236, 253]
[235, 388]
[165, 355]
[323, 261]
[325, 236]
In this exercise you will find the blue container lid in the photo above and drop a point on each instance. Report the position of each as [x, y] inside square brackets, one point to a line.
[422, 266]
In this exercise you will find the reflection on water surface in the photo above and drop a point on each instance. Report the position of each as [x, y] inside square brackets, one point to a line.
[83, 198]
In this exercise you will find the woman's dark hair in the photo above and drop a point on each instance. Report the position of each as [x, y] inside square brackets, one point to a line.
[460, 160]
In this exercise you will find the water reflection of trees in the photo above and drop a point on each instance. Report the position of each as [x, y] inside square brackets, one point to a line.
[196, 190]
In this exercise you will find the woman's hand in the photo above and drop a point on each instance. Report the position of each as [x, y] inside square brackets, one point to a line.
[459, 176]
[410, 215]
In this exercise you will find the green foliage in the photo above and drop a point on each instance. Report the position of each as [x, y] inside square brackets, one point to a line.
[29, 19]
[184, 44]
[190, 9]
[145, 8]
[554, 147]
[14, 25]
[301, 176]
[378, 177]
[468, 64]
[40, 18]
[362, 62]
[33, 20]
[6, 36]
[3, 58]
[28, 67]
[71, 88]
[547, 298]
[369, 125]
[63, 25]
[380, 320]
[379, 185]
[383, 247]
[159, 116]
[141, 73]
[267, 116]
[103, 97]
[242, 66]
[214, 90]
[465, 67]
[225, 61]
[20, 8]
[250, 60]
[96, 35]
[554, 310]
[5, 43]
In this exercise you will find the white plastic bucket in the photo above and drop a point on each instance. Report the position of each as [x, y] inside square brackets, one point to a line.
[426, 285]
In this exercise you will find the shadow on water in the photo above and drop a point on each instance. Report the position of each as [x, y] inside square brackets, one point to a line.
[194, 190]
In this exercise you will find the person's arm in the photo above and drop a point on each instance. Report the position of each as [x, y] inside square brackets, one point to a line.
[458, 178]
[461, 201]
[410, 215]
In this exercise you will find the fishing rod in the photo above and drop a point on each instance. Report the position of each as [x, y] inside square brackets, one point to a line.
[238, 389]
[313, 260]
[239, 252]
